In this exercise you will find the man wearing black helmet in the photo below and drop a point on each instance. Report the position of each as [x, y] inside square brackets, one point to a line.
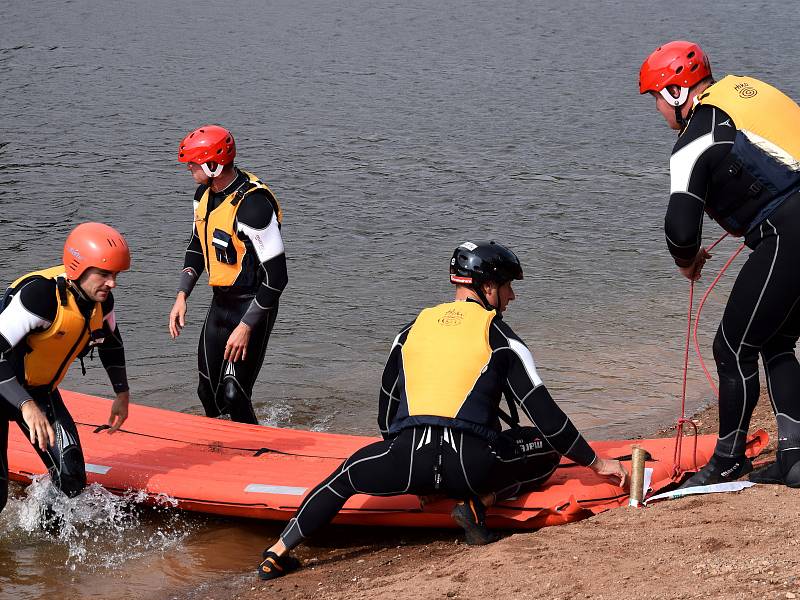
[440, 418]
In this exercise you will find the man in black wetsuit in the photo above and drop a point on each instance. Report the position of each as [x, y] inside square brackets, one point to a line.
[439, 413]
[237, 239]
[48, 319]
[737, 159]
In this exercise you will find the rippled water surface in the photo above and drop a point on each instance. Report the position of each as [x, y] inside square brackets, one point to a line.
[390, 132]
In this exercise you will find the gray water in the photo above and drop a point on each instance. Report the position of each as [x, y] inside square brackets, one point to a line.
[390, 133]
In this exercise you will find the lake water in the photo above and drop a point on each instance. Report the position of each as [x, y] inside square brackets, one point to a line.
[390, 132]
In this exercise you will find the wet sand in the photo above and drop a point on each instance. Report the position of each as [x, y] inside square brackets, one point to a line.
[739, 545]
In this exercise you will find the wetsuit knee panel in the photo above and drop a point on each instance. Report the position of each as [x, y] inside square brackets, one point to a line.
[735, 363]
[232, 391]
[723, 354]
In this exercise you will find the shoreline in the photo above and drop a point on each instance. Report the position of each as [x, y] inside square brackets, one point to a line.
[730, 545]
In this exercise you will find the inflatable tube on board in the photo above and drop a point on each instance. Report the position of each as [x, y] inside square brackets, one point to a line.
[234, 469]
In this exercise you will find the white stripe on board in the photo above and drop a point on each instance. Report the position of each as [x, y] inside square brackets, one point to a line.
[286, 490]
[99, 469]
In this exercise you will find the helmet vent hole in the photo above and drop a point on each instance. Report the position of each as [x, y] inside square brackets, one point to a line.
[228, 140]
[690, 55]
[678, 70]
[693, 68]
[219, 150]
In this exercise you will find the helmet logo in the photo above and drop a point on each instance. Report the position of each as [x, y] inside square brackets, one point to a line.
[75, 253]
[461, 280]
[469, 246]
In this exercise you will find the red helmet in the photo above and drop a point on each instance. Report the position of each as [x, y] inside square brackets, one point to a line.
[208, 144]
[95, 245]
[677, 63]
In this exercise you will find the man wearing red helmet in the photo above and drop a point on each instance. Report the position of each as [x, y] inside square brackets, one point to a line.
[737, 159]
[49, 318]
[236, 238]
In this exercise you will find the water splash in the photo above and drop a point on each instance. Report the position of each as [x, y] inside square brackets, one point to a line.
[97, 529]
[277, 414]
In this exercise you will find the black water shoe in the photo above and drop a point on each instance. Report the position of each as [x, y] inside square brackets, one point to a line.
[719, 470]
[773, 474]
[470, 515]
[274, 566]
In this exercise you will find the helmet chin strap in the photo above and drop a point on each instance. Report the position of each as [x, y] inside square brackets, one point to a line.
[676, 103]
[209, 172]
[478, 289]
[73, 283]
[679, 118]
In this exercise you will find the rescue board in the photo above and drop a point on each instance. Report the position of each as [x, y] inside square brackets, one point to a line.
[234, 469]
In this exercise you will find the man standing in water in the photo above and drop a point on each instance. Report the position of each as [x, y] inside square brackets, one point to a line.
[439, 415]
[237, 239]
[49, 318]
[738, 159]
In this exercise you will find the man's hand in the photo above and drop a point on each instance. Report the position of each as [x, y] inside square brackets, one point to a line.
[41, 432]
[608, 467]
[119, 411]
[236, 346]
[177, 316]
[692, 272]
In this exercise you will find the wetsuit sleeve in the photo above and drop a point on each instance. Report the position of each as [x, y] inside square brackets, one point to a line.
[32, 308]
[389, 396]
[111, 351]
[525, 387]
[256, 220]
[707, 139]
[193, 262]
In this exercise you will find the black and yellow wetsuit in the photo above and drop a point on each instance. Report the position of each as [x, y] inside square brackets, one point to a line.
[738, 160]
[439, 413]
[45, 324]
[237, 239]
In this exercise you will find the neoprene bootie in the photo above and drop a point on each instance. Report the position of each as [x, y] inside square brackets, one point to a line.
[274, 566]
[770, 474]
[470, 515]
[778, 473]
[719, 469]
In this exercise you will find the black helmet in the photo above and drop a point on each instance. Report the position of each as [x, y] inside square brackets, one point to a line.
[475, 264]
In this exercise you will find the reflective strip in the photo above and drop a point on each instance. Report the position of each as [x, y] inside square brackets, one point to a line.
[99, 469]
[285, 490]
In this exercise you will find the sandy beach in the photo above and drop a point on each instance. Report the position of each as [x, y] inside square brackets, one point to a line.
[737, 545]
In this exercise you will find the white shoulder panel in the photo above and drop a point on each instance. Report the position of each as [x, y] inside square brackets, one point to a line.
[267, 242]
[16, 321]
[527, 359]
[682, 162]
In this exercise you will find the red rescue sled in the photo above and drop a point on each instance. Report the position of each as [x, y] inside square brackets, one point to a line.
[224, 468]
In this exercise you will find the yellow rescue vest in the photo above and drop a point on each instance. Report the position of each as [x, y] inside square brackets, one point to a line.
[53, 350]
[445, 353]
[769, 118]
[762, 168]
[222, 248]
